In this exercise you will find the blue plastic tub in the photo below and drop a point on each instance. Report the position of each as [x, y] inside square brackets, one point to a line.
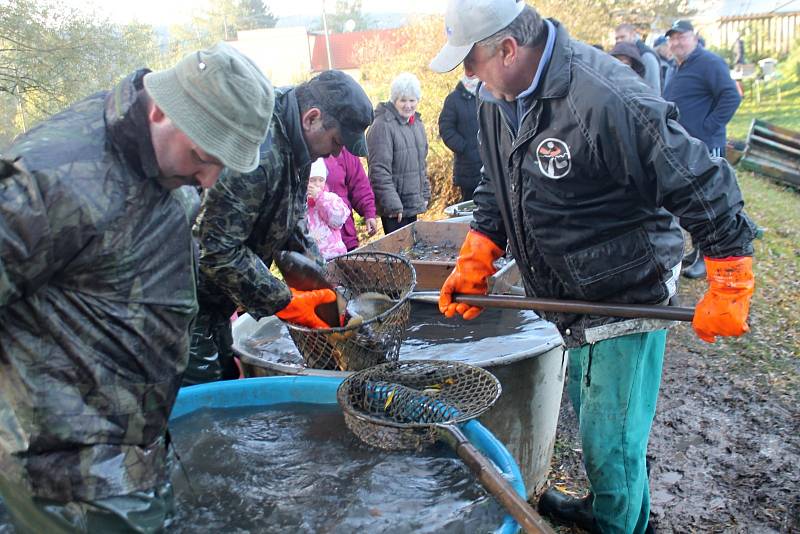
[322, 390]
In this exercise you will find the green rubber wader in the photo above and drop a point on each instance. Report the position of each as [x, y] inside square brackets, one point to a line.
[211, 352]
[613, 386]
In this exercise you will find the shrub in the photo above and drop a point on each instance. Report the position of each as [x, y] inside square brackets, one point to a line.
[410, 50]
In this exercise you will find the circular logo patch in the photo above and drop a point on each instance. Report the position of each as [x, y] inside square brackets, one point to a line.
[553, 157]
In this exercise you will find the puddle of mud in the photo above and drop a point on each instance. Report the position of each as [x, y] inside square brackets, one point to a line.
[725, 452]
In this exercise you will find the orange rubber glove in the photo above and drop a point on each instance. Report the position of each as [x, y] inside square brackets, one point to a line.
[302, 308]
[474, 265]
[723, 309]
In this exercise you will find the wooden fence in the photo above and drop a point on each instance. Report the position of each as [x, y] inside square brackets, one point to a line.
[774, 33]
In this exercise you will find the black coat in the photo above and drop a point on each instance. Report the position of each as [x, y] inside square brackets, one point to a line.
[588, 192]
[458, 127]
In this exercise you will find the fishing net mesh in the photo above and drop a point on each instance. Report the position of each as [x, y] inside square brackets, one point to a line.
[396, 405]
[376, 340]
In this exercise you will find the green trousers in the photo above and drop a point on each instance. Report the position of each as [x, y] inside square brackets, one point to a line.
[142, 512]
[613, 385]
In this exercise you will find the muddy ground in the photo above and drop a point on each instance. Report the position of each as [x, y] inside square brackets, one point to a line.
[725, 444]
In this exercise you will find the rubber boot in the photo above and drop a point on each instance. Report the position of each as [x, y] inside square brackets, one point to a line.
[697, 269]
[689, 258]
[567, 510]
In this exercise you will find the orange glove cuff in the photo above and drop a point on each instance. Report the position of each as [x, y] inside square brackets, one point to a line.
[731, 273]
[724, 308]
[476, 261]
[474, 266]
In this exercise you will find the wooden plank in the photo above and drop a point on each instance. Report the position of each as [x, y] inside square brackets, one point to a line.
[770, 130]
[771, 168]
[758, 140]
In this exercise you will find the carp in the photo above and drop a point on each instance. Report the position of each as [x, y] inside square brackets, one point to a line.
[359, 347]
[304, 274]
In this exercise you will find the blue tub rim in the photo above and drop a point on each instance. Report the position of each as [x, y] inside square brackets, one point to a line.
[270, 390]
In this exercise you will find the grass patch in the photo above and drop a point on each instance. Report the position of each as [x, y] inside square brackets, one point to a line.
[785, 113]
[770, 352]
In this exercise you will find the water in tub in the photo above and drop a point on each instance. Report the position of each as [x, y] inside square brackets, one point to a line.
[297, 468]
[430, 335]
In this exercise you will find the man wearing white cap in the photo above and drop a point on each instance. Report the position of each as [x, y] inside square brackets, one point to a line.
[585, 172]
[97, 286]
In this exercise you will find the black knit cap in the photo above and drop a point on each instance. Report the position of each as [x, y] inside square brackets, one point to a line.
[629, 50]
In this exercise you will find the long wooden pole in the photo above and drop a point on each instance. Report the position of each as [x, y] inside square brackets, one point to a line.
[644, 311]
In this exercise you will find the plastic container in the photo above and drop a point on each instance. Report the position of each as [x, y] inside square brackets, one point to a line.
[322, 390]
[529, 362]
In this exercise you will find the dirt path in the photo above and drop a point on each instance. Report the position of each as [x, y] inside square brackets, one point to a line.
[725, 445]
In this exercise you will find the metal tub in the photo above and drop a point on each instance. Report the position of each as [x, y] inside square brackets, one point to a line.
[530, 364]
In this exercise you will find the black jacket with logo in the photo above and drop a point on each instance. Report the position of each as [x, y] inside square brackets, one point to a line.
[585, 193]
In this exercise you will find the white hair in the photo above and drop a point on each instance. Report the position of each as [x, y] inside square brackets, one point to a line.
[405, 84]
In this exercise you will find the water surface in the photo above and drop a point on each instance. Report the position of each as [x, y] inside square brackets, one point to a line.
[297, 468]
[494, 334]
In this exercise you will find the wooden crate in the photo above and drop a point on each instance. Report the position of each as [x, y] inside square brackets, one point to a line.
[432, 248]
[773, 151]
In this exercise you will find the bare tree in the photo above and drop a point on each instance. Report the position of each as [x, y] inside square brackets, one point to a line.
[51, 56]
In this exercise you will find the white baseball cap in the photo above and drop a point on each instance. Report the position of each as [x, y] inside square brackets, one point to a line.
[468, 21]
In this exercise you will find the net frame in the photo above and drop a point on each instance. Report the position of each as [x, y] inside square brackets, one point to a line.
[376, 340]
[438, 393]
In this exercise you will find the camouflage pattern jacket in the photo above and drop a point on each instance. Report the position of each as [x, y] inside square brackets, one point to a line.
[246, 218]
[97, 293]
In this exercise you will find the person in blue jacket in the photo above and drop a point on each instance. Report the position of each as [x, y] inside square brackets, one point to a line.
[700, 85]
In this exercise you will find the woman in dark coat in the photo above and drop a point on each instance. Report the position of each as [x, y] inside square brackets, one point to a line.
[458, 127]
[397, 150]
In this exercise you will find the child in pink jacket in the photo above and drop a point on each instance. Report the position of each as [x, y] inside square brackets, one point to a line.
[327, 213]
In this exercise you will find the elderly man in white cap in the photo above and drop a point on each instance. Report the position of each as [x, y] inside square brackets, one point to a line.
[97, 286]
[586, 172]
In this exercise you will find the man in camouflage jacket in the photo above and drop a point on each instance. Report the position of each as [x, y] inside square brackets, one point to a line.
[246, 218]
[97, 286]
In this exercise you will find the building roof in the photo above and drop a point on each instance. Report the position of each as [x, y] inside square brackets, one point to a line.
[344, 47]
